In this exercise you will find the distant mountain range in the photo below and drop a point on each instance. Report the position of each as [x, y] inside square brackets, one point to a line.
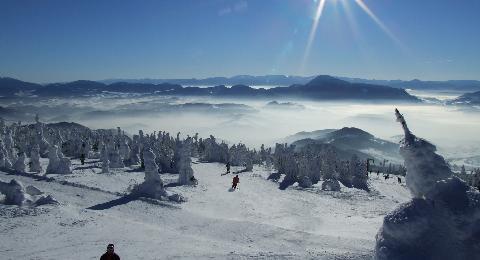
[472, 99]
[267, 80]
[10, 87]
[349, 140]
[319, 88]
[456, 85]
[282, 80]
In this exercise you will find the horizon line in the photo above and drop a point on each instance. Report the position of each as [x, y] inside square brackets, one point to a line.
[229, 77]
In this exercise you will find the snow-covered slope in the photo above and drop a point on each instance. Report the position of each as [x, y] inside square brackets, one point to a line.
[256, 221]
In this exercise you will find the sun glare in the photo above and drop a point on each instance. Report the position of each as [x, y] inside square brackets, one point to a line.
[313, 30]
[320, 6]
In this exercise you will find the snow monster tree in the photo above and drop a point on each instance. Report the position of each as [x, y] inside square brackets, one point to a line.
[442, 221]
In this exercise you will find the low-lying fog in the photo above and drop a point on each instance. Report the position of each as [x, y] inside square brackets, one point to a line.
[452, 129]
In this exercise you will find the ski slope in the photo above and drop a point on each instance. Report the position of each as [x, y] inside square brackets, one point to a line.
[257, 221]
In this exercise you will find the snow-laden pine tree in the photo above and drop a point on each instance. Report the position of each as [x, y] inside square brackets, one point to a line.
[104, 159]
[14, 192]
[64, 164]
[344, 176]
[443, 218]
[285, 163]
[124, 149]
[35, 160]
[152, 186]
[53, 160]
[263, 153]
[20, 165]
[114, 156]
[134, 155]
[214, 152]
[304, 171]
[185, 171]
[328, 165]
[358, 172]
[9, 145]
[40, 139]
[4, 160]
[475, 180]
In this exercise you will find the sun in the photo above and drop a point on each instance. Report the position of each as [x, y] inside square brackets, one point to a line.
[319, 8]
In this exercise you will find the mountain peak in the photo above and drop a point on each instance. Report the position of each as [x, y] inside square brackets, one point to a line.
[351, 131]
[326, 79]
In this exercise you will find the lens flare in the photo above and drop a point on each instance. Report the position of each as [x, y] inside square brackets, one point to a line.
[379, 22]
[365, 8]
[313, 30]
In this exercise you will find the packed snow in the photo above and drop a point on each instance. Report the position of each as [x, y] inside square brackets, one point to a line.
[256, 221]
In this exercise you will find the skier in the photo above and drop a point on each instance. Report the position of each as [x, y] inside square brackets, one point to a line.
[110, 254]
[235, 181]
[228, 167]
[194, 180]
[399, 180]
[82, 158]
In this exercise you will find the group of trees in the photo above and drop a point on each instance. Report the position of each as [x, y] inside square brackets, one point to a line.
[307, 166]
[472, 178]
[316, 162]
[210, 150]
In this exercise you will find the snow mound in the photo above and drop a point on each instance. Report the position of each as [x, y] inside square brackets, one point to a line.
[152, 187]
[331, 185]
[16, 194]
[442, 221]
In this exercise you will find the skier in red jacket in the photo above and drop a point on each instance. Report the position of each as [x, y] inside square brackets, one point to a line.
[235, 181]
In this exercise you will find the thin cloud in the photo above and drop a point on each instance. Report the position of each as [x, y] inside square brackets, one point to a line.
[238, 7]
[440, 61]
[225, 11]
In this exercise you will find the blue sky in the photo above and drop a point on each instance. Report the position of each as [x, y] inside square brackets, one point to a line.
[63, 40]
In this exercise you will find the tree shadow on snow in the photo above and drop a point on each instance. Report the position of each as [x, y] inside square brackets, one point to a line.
[116, 202]
[136, 169]
[36, 177]
[241, 171]
[172, 184]
[86, 167]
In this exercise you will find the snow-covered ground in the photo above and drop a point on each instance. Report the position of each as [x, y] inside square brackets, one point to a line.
[257, 221]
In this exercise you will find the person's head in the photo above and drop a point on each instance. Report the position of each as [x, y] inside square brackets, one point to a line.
[110, 248]
[236, 176]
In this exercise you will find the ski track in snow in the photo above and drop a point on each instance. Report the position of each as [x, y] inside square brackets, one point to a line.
[257, 221]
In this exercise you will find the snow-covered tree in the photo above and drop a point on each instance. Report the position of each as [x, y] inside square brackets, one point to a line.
[152, 185]
[344, 176]
[441, 220]
[185, 171]
[20, 165]
[285, 163]
[35, 160]
[134, 155]
[114, 157]
[16, 194]
[104, 159]
[64, 164]
[4, 160]
[53, 160]
[358, 171]
[328, 165]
